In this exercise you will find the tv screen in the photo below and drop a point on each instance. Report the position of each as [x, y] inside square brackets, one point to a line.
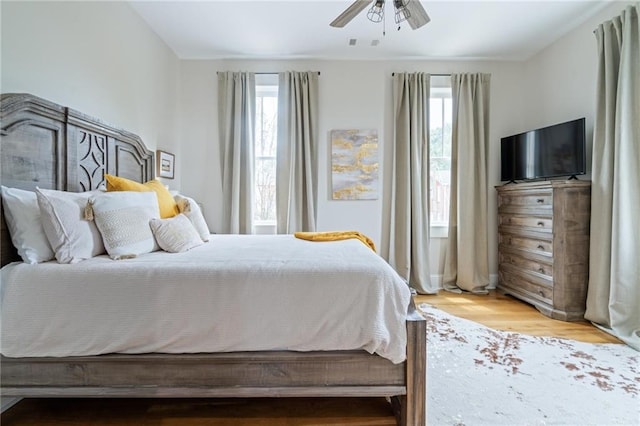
[553, 151]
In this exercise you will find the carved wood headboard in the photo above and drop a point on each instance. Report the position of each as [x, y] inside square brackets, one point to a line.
[46, 145]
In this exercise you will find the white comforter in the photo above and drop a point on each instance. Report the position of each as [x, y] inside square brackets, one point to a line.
[235, 293]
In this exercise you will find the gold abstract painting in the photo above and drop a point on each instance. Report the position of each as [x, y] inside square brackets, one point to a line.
[354, 164]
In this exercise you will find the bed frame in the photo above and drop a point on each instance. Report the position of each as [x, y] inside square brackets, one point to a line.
[47, 145]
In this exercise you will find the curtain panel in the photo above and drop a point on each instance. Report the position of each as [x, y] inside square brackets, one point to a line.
[466, 255]
[409, 227]
[236, 120]
[297, 152]
[613, 297]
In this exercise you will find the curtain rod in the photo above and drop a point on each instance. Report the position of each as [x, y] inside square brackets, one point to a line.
[259, 73]
[435, 75]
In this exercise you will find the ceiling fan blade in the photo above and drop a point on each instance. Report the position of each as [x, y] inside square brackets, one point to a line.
[350, 13]
[418, 15]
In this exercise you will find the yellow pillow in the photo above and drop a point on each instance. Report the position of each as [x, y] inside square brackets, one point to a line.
[168, 206]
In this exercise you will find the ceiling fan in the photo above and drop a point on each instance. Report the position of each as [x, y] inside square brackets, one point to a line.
[405, 10]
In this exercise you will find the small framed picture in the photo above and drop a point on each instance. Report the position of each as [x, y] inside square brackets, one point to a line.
[166, 164]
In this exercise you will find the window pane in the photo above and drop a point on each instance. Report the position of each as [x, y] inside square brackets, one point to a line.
[448, 122]
[440, 190]
[435, 112]
[440, 115]
[448, 110]
[264, 208]
[258, 124]
[265, 189]
[269, 123]
[435, 125]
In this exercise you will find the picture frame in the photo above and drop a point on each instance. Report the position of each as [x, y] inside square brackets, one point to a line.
[165, 164]
[354, 164]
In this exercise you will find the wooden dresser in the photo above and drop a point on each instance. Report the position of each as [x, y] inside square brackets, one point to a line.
[544, 245]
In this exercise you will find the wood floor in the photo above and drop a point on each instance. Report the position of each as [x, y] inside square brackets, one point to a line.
[502, 312]
[494, 310]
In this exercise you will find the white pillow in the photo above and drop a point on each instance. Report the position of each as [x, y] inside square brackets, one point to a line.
[123, 219]
[22, 214]
[191, 210]
[71, 236]
[175, 234]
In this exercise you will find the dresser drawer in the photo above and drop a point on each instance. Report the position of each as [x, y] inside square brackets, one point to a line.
[542, 198]
[521, 283]
[545, 223]
[523, 263]
[543, 248]
[529, 244]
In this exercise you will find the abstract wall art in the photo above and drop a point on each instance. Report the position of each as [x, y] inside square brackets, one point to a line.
[354, 164]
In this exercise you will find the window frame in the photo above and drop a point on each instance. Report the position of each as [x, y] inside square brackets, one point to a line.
[266, 86]
[440, 89]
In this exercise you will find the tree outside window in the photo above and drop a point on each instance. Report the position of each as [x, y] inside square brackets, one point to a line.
[440, 122]
[264, 209]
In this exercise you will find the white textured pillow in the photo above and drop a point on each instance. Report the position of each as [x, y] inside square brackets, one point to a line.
[22, 214]
[191, 210]
[72, 238]
[176, 234]
[123, 220]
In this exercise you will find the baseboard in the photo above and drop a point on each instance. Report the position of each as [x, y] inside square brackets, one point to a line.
[436, 281]
[7, 403]
[493, 281]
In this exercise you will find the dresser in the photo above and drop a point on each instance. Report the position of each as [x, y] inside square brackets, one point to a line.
[543, 246]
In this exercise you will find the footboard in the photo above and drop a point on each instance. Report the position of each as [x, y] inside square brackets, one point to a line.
[238, 374]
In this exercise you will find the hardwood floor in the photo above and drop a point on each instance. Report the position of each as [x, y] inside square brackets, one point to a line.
[502, 312]
[494, 310]
[200, 412]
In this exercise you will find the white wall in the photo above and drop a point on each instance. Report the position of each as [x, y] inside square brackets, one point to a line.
[353, 94]
[99, 58]
[560, 81]
[102, 59]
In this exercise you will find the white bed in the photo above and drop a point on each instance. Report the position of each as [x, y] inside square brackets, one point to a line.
[179, 326]
[203, 300]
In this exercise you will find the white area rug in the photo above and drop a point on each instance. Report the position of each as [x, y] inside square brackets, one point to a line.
[480, 376]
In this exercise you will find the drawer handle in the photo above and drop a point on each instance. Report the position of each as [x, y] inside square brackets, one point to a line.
[541, 270]
[540, 200]
[540, 223]
[541, 293]
[540, 247]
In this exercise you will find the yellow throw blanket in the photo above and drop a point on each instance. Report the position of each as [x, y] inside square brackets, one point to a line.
[335, 236]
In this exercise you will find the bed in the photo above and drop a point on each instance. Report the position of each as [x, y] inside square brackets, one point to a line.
[51, 146]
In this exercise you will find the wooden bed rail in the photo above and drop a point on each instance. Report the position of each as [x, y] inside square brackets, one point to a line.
[236, 374]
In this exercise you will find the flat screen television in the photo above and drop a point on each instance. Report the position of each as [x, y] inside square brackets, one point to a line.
[552, 151]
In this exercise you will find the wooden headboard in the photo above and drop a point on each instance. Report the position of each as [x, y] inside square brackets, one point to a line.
[46, 145]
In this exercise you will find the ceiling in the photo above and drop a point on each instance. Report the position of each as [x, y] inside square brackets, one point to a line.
[299, 29]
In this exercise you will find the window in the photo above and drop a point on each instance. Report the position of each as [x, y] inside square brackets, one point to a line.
[440, 122]
[264, 203]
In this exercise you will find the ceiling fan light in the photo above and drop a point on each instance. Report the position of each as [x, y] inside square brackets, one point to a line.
[400, 3]
[376, 13]
[402, 15]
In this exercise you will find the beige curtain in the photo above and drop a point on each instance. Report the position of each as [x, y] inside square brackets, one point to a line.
[409, 228]
[297, 167]
[466, 255]
[613, 299]
[236, 120]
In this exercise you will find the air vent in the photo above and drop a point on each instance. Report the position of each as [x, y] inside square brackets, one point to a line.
[352, 41]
